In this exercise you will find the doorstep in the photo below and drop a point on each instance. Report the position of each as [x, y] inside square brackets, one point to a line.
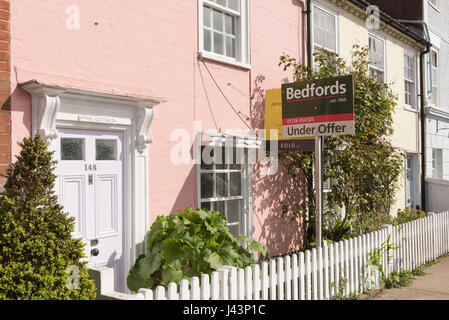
[104, 282]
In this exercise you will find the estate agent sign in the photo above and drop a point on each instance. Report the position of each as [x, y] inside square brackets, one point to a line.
[273, 121]
[322, 107]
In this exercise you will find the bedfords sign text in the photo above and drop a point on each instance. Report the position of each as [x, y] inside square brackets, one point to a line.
[322, 107]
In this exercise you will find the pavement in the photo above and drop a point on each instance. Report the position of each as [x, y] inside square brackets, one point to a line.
[433, 285]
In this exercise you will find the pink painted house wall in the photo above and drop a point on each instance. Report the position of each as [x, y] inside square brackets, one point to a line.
[148, 48]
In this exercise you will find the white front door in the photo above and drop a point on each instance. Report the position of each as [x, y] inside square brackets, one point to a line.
[89, 185]
[409, 187]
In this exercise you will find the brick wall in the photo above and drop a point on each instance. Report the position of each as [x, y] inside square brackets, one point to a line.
[5, 88]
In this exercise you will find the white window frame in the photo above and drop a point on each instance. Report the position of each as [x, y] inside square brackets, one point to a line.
[332, 13]
[437, 163]
[384, 41]
[245, 217]
[436, 70]
[413, 56]
[242, 43]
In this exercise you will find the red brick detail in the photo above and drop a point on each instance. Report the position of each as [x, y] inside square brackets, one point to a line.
[5, 88]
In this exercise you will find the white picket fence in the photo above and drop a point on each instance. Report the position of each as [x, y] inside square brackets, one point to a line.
[315, 274]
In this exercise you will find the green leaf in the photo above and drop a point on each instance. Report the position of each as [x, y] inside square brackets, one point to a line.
[212, 258]
[135, 280]
[171, 275]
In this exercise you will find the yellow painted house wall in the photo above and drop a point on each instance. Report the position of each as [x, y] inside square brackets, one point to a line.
[352, 30]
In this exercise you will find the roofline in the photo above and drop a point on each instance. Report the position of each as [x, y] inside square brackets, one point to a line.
[393, 22]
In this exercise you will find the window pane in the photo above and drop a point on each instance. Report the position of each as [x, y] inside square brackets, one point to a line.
[239, 159]
[72, 149]
[324, 29]
[234, 230]
[236, 184]
[218, 20]
[234, 210]
[376, 53]
[207, 157]
[206, 16]
[222, 2]
[234, 5]
[229, 24]
[219, 206]
[230, 52]
[205, 205]
[207, 185]
[222, 185]
[221, 158]
[434, 59]
[106, 149]
[218, 43]
[207, 40]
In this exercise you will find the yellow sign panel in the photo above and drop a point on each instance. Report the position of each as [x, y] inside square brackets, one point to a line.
[273, 121]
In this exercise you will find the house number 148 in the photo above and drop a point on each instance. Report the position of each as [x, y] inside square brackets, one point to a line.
[90, 167]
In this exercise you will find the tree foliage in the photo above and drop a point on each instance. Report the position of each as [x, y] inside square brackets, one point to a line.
[364, 167]
[37, 251]
[189, 243]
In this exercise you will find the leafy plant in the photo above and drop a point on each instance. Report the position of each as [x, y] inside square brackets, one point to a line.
[37, 251]
[398, 279]
[374, 262]
[363, 168]
[340, 295]
[419, 271]
[189, 243]
[408, 215]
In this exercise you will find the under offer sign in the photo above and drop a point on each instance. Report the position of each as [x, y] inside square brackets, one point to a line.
[322, 107]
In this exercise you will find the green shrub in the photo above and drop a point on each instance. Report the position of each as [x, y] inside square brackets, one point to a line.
[418, 271]
[398, 279]
[37, 252]
[408, 215]
[189, 243]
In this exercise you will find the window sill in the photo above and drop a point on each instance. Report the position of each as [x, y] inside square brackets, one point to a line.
[411, 109]
[218, 58]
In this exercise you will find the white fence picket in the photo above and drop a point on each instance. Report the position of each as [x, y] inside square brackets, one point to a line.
[280, 279]
[224, 278]
[351, 265]
[302, 279]
[147, 293]
[249, 280]
[273, 279]
[265, 281]
[241, 284]
[346, 266]
[314, 275]
[257, 282]
[288, 278]
[215, 286]
[160, 293]
[320, 285]
[172, 292]
[233, 284]
[325, 294]
[295, 277]
[337, 261]
[195, 292]
[331, 287]
[184, 293]
[308, 276]
[205, 287]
